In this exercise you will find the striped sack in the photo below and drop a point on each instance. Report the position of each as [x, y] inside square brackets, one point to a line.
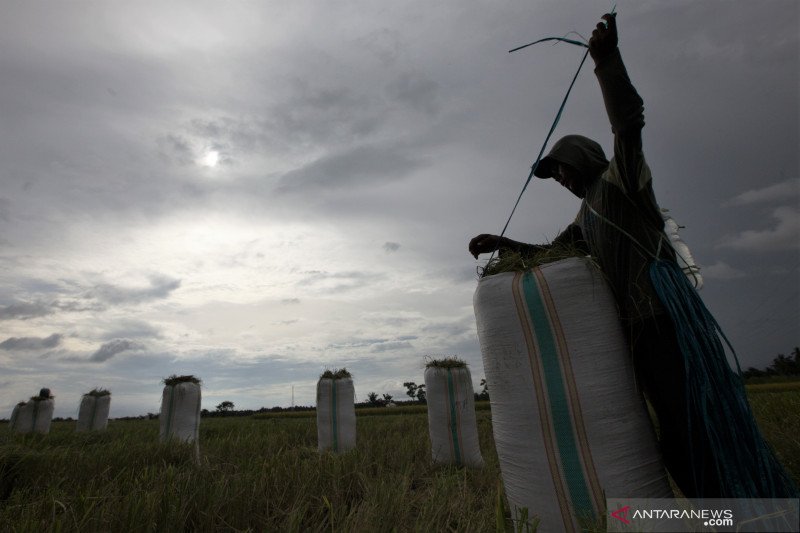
[34, 416]
[93, 413]
[569, 426]
[451, 416]
[336, 414]
[180, 412]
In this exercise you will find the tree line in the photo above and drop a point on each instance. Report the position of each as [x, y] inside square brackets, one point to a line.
[782, 365]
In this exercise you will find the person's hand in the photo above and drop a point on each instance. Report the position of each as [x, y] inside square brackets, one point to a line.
[484, 244]
[604, 38]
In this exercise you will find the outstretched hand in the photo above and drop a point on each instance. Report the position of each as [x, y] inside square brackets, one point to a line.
[604, 38]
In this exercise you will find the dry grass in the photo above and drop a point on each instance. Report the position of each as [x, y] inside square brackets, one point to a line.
[175, 380]
[340, 373]
[446, 362]
[510, 261]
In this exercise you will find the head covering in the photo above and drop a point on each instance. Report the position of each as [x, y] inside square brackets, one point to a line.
[577, 151]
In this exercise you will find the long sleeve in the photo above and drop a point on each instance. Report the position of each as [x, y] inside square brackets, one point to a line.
[625, 110]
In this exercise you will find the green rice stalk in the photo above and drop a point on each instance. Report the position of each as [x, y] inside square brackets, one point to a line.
[175, 380]
[511, 261]
[340, 373]
[446, 362]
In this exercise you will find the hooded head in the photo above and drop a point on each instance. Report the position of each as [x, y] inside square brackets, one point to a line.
[575, 161]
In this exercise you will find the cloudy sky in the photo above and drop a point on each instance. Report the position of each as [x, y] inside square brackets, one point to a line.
[252, 192]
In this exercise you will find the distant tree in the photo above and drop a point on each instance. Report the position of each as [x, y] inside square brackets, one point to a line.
[372, 399]
[782, 365]
[421, 396]
[204, 412]
[484, 393]
[412, 389]
[225, 407]
[387, 398]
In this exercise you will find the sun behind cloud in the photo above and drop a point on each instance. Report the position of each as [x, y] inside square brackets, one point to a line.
[210, 159]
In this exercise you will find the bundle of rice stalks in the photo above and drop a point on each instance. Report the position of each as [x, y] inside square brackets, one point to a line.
[179, 418]
[511, 261]
[175, 380]
[340, 373]
[93, 410]
[446, 362]
[451, 413]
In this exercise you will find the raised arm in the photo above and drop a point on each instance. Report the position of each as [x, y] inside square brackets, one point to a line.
[623, 104]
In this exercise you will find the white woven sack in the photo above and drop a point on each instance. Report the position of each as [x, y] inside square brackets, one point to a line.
[180, 412]
[35, 417]
[14, 413]
[93, 412]
[336, 414]
[451, 417]
[569, 426]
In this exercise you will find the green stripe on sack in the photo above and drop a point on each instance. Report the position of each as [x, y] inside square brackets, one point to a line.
[334, 414]
[94, 412]
[451, 396]
[169, 412]
[572, 468]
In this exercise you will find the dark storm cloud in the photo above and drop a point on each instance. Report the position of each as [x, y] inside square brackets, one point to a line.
[417, 92]
[133, 329]
[160, 287]
[390, 247]
[32, 343]
[360, 166]
[783, 235]
[112, 348]
[25, 310]
[784, 191]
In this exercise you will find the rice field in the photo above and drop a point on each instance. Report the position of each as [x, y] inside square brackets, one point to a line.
[265, 474]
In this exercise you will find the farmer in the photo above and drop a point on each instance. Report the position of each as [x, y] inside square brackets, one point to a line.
[620, 225]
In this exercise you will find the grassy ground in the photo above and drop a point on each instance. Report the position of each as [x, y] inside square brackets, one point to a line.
[266, 475]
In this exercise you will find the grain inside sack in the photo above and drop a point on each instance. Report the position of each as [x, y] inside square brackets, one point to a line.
[569, 425]
[336, 414]
[180, 409]
[451, 413]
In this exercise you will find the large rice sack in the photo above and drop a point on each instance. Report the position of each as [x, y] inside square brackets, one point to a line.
[93, 411]
[336, 412]
[569, 426]
[451, 413]
[14, 414]
[180, 409]
[35, 415]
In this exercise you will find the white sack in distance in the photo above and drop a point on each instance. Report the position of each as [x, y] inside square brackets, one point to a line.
[451, 416]
[569, 426]
[336, 414]
[685, 259]
[180, 412]
[93, 412]
[34, 416]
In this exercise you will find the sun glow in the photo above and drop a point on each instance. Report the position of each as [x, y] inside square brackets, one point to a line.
[210, 159]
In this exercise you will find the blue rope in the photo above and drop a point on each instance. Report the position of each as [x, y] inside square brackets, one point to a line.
[717, 403]
[544, 145]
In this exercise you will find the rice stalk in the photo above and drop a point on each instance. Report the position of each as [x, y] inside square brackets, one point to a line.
[175, 380]
[513, 261]
[446, 362]
[340, 373]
